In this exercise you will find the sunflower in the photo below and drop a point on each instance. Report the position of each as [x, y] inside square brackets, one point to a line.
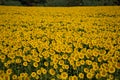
[94, 63]
[88, 62]
[111, 77]
[39, 72]
[37, 59]
[70, 78]
[61, 62]
[111, 69]
[2, 57]
[103, 73]
[25, 63]
[67, 67]
[9, 71]
[105, 57]
[117, 65]
[25, 78]
[65, 56]
[77, 63]
[74, 77]
[82, 62]
[60, 57]
[60, 70]
[71, 62]
[98, 76]
[92, 70]
[76, 57]
[6, 65]
[2, 76]
[95, 67]
[1, 72]
[46, 63]
[105, 65]
[25, 74]
[52, 79]
[25, 58]
[86, 70]
[106, 69]
[33, 74]
[35, 64]
[64, 75]
[55, 66]
[63, 66]
[81, 55]
[51, 63]
[95, 54]
[6, 77]
[44, 71]
[18, 60]
[90, 75]
[22, 75]
[52, 71]
[55, 61]
[81, 75]
[99, 59]
[14, 77]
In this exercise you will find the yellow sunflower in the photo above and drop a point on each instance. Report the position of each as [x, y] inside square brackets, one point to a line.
[64, 75]
[52, 71]
[111, 69]
[117, 65]
[90, 75]
[39, 72]
[33, 74]
[9, 71]
[35, 64]
[81, 75]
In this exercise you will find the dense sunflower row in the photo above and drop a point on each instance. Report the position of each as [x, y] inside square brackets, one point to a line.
[62, 43]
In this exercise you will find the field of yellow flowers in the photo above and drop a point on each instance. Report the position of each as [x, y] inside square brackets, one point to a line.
[60, 43]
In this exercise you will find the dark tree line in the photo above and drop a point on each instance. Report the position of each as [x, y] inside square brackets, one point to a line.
[63, 2]
[32, 2]
[24, 2]
[117, 2]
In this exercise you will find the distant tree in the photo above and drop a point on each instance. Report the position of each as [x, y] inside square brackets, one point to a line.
[60, 2]
[117, 2]
[42, 1]
[56, 3]
[32, 2]
[74, 2]
[2, 2]
[24, 2]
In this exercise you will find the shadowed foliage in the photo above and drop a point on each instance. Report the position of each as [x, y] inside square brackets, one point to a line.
[60, 2]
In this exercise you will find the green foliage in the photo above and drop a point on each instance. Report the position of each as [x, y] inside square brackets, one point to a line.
[74, 2]
[98, 2]
[13, 3]
[60, 2]
[56, 2]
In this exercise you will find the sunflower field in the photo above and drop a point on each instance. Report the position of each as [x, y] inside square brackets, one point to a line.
[60, 43]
